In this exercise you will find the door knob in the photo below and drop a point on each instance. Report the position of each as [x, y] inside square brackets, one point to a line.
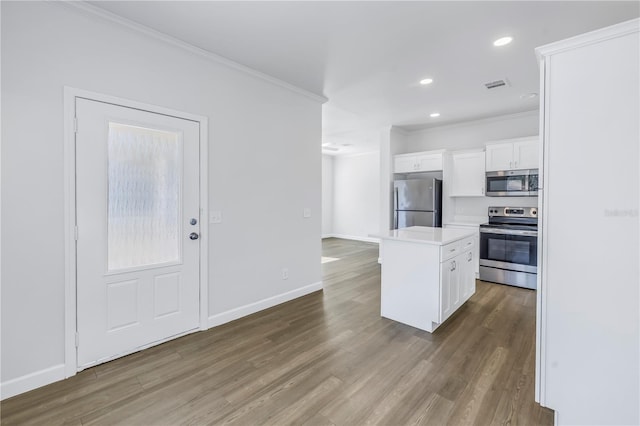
[194, 236]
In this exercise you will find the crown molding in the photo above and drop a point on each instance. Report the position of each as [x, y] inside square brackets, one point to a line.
[90, 9]
[612, 31]
[476, 121]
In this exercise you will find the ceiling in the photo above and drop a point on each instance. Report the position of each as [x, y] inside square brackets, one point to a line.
[367, 57]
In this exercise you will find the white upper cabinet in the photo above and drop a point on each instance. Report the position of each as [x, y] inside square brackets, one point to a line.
[499, 157]
[468, 174]
[404, 164]
[516, 154]
[428, 161]
[525, 154]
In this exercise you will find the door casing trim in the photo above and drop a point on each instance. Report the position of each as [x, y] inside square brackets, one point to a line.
[70, 312]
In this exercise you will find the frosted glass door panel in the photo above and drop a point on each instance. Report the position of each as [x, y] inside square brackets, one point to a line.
[144, 194]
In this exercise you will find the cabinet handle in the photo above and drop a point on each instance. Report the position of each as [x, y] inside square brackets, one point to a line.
[470, 256]
[511, 164]
[515, 164]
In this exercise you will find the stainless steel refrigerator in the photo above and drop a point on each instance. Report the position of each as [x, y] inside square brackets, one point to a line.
[417, 202]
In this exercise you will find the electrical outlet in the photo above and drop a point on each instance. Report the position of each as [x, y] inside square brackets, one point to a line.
[306, 212]
[285, 273]
[215, 216]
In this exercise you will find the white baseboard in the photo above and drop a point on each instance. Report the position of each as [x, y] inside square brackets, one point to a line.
[31, 381]
[261, 305]
[355, 238]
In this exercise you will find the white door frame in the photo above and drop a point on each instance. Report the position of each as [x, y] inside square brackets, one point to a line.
[70, 95]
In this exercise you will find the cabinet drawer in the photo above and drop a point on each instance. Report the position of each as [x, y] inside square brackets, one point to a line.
[466, 244]
[453, 249]
[449, 251]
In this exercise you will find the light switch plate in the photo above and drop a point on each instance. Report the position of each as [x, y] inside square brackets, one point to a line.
[215, 216]
[306, 213]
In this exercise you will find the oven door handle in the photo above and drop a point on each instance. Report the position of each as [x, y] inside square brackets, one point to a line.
[508, 232]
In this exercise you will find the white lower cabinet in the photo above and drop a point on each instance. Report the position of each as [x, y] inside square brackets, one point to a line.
[458, 282]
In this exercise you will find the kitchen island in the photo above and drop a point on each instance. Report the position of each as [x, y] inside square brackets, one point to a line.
[427, 274]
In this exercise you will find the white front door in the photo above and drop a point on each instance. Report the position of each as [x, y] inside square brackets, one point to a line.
[137, 192]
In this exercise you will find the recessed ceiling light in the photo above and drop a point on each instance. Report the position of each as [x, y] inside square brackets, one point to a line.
[426, 81]
[503, 41]
[529, 96]
[434, 114]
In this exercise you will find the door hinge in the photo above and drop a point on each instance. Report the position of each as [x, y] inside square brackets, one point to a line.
[77, 339]
[75, 125]
[75, 232]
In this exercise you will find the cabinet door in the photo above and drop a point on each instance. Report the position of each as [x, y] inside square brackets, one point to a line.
[525, 154]
[476, 259]
[429, 162]
[499, 157]
[467, 275]
[468, 174]
[446, 272]
[404, 164]
[454, 283]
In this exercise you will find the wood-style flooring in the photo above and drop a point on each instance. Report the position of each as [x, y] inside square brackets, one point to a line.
[326, 358]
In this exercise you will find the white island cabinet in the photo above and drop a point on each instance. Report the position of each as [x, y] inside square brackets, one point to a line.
[427, 274]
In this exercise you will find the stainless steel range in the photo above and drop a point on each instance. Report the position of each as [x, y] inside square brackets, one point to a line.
[509, 246]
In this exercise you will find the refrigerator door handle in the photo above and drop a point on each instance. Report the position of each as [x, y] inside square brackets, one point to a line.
[395, 198]
[395, 208]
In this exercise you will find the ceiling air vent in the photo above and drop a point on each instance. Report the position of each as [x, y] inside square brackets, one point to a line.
[497, 83]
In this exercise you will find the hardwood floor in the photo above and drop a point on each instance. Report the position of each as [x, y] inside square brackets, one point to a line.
[326, 358]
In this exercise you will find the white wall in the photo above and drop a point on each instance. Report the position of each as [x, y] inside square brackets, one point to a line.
[327, 195]
[356, 191]
[474, 134]
[264, 165]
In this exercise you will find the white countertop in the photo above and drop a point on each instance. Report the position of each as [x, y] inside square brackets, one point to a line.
[426, 235]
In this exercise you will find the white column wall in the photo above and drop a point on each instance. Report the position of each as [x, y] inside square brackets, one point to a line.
[356, 196]
[327, 196]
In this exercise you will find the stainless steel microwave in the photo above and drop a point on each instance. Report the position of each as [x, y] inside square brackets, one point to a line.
[512, 183]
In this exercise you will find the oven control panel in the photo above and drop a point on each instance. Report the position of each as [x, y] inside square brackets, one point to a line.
[513, 212]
